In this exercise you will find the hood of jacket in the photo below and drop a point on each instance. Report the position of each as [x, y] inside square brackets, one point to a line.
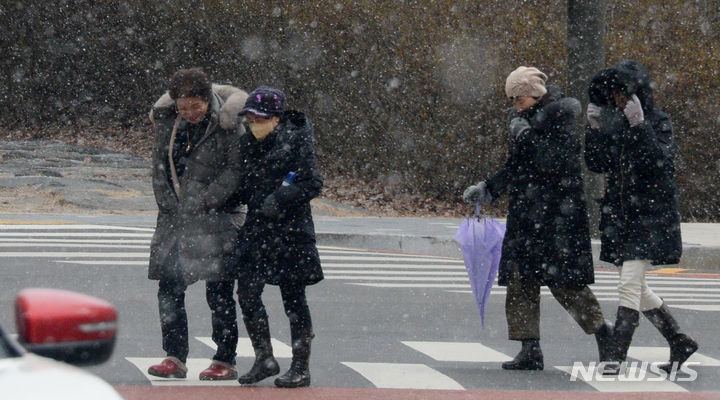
[629, 77]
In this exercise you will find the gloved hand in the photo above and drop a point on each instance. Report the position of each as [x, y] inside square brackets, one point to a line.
[633, 111]
[518, 126]
[270, 207]
[593, 113]
[478, 194]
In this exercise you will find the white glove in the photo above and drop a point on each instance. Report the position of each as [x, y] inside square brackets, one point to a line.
[478, 194]
[633, 111]
[593, 112]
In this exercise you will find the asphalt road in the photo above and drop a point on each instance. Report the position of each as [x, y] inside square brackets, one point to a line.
[382, 320]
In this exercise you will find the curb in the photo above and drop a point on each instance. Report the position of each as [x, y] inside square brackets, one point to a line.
[704, 258]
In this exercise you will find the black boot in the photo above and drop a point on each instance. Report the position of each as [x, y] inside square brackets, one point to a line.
[681, 345]
[605, 342]
[530, 357]
[299, 373]
[265, 364]
[625, 324]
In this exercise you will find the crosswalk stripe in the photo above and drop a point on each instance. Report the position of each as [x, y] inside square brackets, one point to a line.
[395, 266]
[615, 384]
[403, 376]
[359, 267]
[106, 262]
[245, 349]
[657, 354]
[697, 307]
[71, 227]
[386, 258]
[458, 351]
[412, 285]
[42, 242]
[194, 366]
[379, 272]
[71, 245]
[393, 278]
[603, 297]
[74, 234]
[72, 254]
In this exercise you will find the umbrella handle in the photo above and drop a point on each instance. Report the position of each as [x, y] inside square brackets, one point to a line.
[478, 211]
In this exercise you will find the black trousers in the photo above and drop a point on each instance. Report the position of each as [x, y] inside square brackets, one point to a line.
[174, 322]
[294, 302]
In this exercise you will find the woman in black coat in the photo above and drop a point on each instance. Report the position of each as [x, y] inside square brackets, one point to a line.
[547, 241]
[196, 166]
[277, 242]
[631, 141]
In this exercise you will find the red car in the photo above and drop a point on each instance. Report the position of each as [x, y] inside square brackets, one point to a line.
[59, 325]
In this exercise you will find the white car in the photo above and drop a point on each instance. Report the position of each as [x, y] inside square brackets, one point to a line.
[57, 325]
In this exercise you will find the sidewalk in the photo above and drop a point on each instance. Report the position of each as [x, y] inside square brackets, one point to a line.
[434, 236]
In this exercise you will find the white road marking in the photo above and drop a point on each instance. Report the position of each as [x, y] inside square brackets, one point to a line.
[655, 354]
[615, 384]
[194, 365]
[72, 254]
[74, 234]
[71, 245]
[106, 262]
[458, 351]
[404, 376]
[396, 266]
[696, 307]
[386, 258]
[18, 227]
[381, 272]
[245, 349]
[42, 242]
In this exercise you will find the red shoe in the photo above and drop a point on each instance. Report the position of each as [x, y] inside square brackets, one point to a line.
[219, 371]
[170, 367]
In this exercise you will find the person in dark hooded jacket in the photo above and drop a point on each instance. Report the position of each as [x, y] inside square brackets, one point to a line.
[196, 168]
[631, 141]
[547, 241]
[277, 243]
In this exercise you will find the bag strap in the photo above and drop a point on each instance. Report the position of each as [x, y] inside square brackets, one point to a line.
[173, 172]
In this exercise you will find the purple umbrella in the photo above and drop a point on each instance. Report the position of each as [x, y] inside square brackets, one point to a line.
[480, 240]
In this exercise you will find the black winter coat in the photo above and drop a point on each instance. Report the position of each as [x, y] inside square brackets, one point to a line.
[194, 238]
[280, 249]
[639, 211]
[547, 237]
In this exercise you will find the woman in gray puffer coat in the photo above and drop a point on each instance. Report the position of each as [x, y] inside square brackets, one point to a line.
[196, 169]
[631, 141]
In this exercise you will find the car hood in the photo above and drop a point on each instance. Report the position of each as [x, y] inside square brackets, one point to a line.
[34, 377]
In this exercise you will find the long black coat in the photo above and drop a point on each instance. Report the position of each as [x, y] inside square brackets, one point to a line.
[282, 250]
[194, 238]
[547, 237]
[639, 211]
